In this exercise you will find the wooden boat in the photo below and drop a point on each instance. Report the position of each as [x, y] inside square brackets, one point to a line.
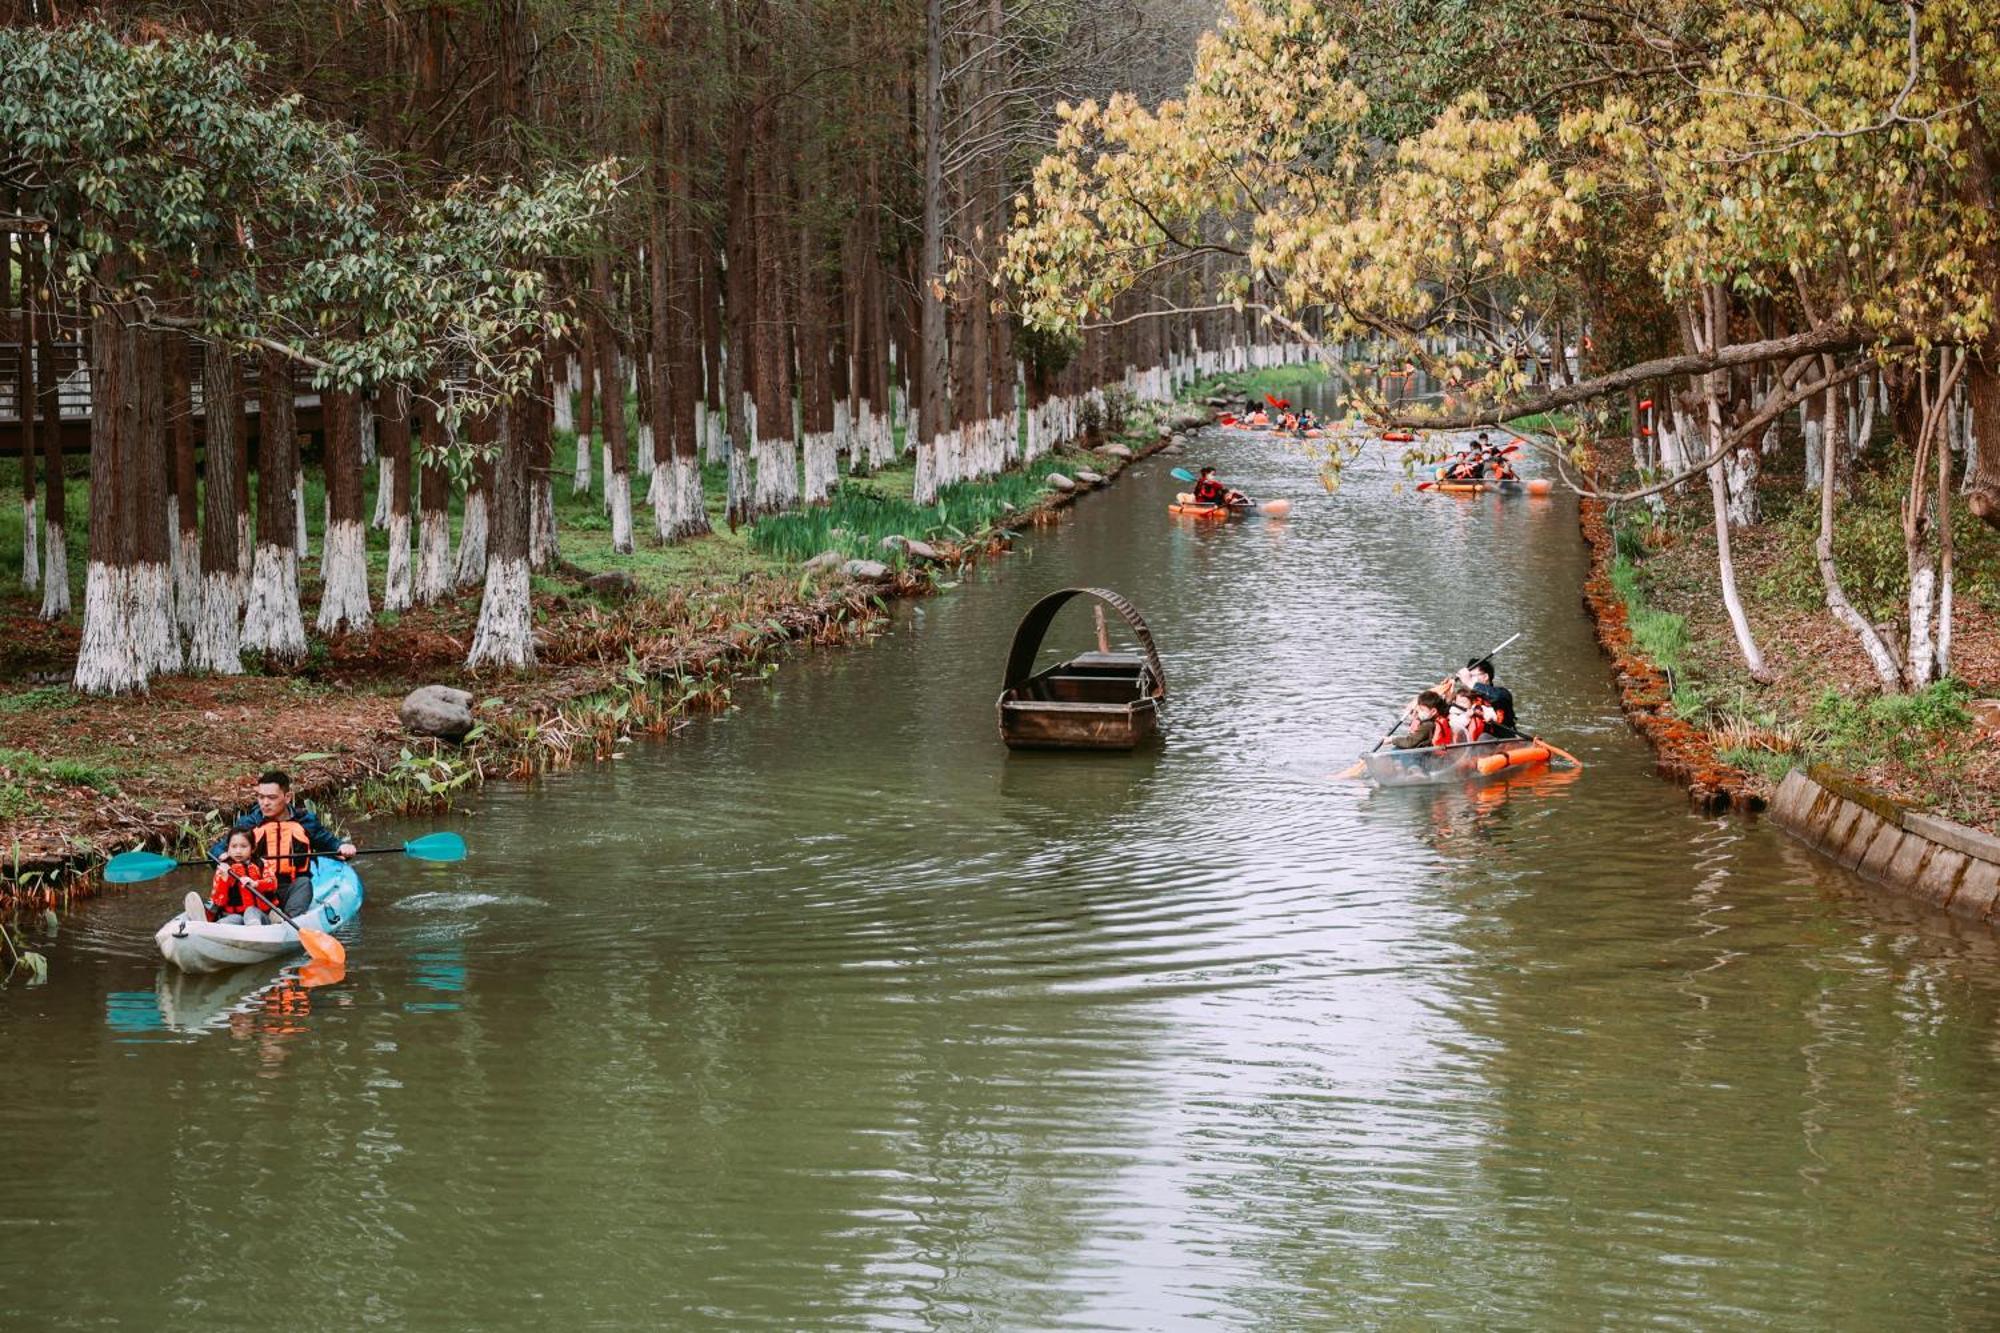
[1472, 761]
[1101, 700]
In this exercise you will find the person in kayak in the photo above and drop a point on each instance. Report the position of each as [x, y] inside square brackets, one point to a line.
[1209, 491]
[1478, 678]
[1428, 726]
[286, 837]
[243, 885]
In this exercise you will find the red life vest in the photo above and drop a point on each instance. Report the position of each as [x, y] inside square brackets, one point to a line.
[234, 881]
[285, 849]
[1209, 491]
[1441, 730]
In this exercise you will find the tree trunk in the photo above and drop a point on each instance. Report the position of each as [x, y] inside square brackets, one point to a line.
[506, 632]
[472, 531]
[742, 299]
[1879, 656]
[55, 495]
[343, 561]
[679, 510]
[157, 639]
[936, 369]
[25, 398]
[108, 660]
[611, 381]
[272, 624]
[187, 530]
[433, 513]
[215, 644]
[1714, 384]
[586, 420]
[394, 442]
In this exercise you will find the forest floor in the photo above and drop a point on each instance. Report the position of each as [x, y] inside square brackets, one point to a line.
[1937, 750]
[80, 777]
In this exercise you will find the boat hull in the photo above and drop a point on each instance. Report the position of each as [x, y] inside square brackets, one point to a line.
[1452, 763]
[207, 946]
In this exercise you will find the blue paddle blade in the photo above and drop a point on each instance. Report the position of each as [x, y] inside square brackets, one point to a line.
[137, 867]
[1182, 474]
[436, 847]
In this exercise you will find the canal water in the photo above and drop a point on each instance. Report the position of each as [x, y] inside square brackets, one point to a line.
[831, 1013]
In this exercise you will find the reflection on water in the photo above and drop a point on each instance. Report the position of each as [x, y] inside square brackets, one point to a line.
[833, 1013]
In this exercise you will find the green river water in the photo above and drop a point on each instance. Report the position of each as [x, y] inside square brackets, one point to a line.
[830, 1013]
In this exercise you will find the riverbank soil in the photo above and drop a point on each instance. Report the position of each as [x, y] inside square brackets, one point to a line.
[1937, 750]
[80, 777]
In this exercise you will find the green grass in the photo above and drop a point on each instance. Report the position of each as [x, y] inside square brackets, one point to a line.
[29, 701]
[75, 772]
[865, 510]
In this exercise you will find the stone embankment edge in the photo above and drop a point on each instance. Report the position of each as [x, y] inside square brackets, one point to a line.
[1682, 752]
[71, 876]
[1933, 860]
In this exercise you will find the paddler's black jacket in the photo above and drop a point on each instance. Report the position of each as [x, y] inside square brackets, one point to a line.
[323, 839]
[1501, 698]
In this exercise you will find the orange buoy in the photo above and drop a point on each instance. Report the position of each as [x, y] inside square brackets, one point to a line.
[1522, 757]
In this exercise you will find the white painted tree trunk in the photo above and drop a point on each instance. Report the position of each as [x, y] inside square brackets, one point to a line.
[565, 409]
[506, 633]
[31, 555]
[925, 488]
[215, 645]
[157, 639]
[384, 477]
[367, 415]
[187, 583]
[1740, 473]
[343, 603]
[822, 467]
[542, 548]
[396, 581]
[472, 541]
[108, 660]
[243, 560]
[678, 511]
[1944, 624]
[1922, 605]
[645, 460]
[299, 529]
[433, 559]
[619, 489]
[580, 481]
[1815, 455]
[272, 624]
[606, 474]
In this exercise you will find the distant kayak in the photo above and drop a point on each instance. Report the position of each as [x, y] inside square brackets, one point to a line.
[1186, 506]
[210, 946]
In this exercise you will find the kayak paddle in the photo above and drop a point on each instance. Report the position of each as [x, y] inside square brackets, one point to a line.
[319, 946]
[138, 867]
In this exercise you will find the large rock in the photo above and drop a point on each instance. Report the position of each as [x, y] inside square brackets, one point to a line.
[1060, 482]
[613, 583]
[865, 569]
[437, 710]
[825, 560]
[1174, 451]
[895, 541]
[918, 550]
[1116, 451]
[1187, 418]
[1086, 477]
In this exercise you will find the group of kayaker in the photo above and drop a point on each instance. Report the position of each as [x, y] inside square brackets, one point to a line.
[1468, 706]
[265, 859]
[1482, 461]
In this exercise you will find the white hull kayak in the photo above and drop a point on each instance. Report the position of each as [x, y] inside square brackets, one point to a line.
[208, 946]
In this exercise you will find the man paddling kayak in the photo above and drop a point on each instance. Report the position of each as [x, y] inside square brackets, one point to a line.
[1209, 491]
[286, 838]
[1478, 678]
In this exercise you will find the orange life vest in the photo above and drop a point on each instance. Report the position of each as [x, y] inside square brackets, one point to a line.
[284, 848]
[234, 881]
[1440, 730]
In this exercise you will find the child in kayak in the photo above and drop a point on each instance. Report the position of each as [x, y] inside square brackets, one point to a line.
[1478, 680]
[1428, 727]
[1209, 491]
[234, 899]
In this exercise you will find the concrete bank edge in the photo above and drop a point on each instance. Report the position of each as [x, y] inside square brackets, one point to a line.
[1933, 860]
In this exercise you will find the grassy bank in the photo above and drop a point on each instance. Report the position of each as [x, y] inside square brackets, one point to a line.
[81, 776]
[1824, 707]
